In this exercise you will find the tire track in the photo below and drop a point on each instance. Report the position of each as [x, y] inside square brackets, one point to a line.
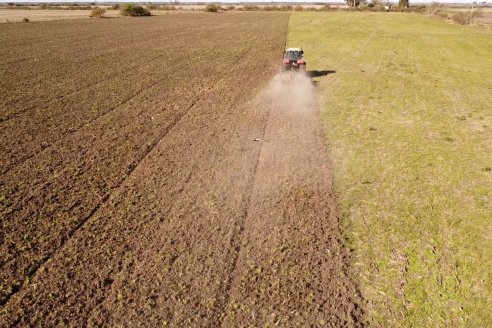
[236, 239]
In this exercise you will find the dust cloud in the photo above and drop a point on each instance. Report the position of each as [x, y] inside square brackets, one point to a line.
[293, 92]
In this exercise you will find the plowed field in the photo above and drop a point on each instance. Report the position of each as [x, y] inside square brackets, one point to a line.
[155, 172]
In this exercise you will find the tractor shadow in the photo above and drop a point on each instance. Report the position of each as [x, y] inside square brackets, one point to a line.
[314, 74]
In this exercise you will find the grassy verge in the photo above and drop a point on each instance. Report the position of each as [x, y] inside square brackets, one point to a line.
[408, 115]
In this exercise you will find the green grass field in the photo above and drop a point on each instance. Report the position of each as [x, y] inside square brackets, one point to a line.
[408, 117]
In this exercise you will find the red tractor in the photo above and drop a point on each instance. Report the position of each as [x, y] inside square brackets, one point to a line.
[293, 60]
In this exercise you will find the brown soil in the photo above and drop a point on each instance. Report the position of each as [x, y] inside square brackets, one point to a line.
[142, 197]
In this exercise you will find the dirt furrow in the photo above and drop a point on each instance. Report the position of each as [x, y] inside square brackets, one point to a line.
[236, 237]
[14, 107]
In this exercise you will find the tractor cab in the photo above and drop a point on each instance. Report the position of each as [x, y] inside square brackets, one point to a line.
[293, 54]
[294, 60]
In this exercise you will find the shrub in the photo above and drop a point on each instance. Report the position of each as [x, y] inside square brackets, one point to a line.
[115, 7]
[477, 13]
[286, 8]
[403, 4]
[230, 8]
[434, 8]
[461, 18]
[25, 20]
[151, 6]
[464, 18]
[326, 7]
[250, 8]
[364, 8]
[442, 14]
[298, 8]
[165, 7]
[415, 9]
[212, 8]
[438, 10]
[130, 9]
[98, 12]
[77, 7]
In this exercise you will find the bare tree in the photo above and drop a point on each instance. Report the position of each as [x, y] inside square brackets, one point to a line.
[404, 3]
[355, 3]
